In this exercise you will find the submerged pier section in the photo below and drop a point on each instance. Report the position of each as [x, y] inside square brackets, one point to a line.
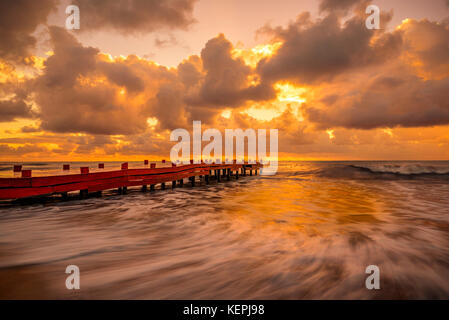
[86, 183]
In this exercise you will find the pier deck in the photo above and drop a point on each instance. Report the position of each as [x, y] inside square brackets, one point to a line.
[96, 182]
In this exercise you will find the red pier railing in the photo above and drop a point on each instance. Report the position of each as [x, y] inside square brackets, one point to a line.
[85, 182]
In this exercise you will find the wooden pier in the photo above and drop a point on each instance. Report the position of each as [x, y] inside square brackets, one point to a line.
[86, 183]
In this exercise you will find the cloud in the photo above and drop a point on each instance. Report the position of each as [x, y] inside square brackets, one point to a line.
[315, 51]
[135, 16]
[354, 80]
[387, 102]
[335, 5]
[29, 129]
[10, 110]
[226, 80]
[164, 43]
[18, 20]
[21, 150]
[426, 46]
[82, 90]
[69, 61]
[408, 91]
[168, 107]
[122, 75]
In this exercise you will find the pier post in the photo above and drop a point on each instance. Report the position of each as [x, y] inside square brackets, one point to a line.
[64, 195]
[219, 175]
[163, 185]
[192, 180]
[26, 173]
[119, 190]
[83, 193]
[237, 174]
[228, 174]
[207, 179]
[244, 171]
[250, 172]
[124, 190]
[181, 182]
[255, 172]
[144, 188]
[66, 167]
[151, 187]
[173, 184]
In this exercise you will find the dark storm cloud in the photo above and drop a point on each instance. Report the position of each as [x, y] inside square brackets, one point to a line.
[427, 44]
[18, 20]
[320, 50]
[21, 150]
[28, 129]
[190, 71]
[13, 109]
[135, 16]
[67, 104]
[333, 5]
[387, 102]
[122, 75]
[168, 107]
[226, 78]
[408, 91]
[70, 59]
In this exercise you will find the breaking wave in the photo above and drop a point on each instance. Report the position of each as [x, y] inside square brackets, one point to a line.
[385, 171]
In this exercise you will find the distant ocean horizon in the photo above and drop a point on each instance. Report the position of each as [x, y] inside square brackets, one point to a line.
[308, 232]
[41, 168]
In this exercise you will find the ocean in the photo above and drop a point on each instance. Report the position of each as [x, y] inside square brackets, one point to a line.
[308, 232]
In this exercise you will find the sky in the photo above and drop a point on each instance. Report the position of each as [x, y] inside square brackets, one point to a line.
[138, 69]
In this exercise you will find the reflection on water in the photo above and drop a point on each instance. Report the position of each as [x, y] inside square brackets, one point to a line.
[308, 232]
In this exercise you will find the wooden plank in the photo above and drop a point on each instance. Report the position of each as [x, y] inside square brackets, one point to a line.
[14, 188]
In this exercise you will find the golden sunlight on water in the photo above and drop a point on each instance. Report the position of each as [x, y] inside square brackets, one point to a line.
[308, 232]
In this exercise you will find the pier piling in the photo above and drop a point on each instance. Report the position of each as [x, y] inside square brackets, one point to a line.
[94, 183]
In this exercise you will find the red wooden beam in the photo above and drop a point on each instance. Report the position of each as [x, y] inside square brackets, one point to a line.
[26, 173]
[13, 188]
[84, 170]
